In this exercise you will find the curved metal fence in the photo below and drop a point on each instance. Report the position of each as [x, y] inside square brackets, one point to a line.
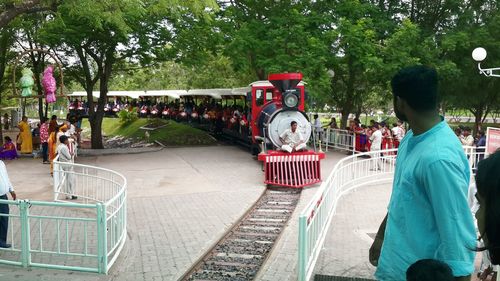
[348, 174]
[83, 233]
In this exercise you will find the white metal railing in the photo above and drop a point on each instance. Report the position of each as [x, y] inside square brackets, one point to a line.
[339, 139]
[474, 155]
[84, 235]
[349, 173]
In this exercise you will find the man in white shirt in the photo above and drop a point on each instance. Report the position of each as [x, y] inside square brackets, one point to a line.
[5, 187]
[292, 139]
[318, 127]
[376, 138]
[65, 156]
[376, 143]
[467, 139]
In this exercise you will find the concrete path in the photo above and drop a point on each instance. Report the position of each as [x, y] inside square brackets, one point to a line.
[358, 216]
[180, 201]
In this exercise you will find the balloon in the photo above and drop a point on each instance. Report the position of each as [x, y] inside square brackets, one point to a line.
[26, 82]
[49, 84]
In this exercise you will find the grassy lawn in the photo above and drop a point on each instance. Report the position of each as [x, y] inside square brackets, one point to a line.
[173, 134]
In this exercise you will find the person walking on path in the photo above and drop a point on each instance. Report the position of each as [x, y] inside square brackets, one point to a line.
[5, 187]
[428, 215]
[25, 135]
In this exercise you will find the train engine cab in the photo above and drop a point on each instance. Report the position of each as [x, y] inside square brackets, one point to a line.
[275, 104]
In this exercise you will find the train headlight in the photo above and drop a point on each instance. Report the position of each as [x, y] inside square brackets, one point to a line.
[291, 100]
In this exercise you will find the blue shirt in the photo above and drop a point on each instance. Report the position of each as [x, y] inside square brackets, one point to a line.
[428, 215]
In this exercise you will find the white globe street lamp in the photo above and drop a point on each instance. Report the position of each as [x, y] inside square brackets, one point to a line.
[479, 54]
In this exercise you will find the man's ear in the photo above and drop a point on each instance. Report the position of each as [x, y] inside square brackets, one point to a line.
[401, 103]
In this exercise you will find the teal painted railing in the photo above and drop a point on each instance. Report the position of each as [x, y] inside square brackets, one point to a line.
[82, 235]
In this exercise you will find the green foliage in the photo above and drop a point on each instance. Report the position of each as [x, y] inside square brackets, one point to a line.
[175, 44]
[215, 72]
[178, 134]
[126, 117]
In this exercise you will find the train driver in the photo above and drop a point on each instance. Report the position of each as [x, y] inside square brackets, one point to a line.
[292, 139]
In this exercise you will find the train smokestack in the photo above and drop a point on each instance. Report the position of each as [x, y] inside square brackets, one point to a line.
[285, 81]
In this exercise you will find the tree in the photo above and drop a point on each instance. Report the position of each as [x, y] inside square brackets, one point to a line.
[6, 38]
[354, 53]
[467, 88]
[104, 33]
[11, 8]
[27, 32]
[258, 37]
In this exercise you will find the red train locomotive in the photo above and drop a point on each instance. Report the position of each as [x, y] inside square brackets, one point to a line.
[274, 105]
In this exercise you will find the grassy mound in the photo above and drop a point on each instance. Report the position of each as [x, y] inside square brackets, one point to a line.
[172, 134]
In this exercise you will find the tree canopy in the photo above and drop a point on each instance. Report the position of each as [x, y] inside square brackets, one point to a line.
[126, 44]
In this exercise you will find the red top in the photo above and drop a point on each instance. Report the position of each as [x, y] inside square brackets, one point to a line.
[44, 133]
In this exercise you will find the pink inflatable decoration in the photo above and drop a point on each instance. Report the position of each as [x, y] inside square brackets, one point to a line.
[49, 84]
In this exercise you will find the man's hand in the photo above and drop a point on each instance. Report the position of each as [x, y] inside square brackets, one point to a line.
[13, 194]
[375, 249]
[374, 253]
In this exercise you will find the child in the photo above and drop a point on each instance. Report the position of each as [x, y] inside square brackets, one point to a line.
[428, 269]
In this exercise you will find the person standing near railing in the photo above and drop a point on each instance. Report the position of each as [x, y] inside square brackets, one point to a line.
[5, 187]
[428, 214]
[65, 156]
[466, 138]
[376, 143]
[332, 124]
[397, 133]
[318, 128]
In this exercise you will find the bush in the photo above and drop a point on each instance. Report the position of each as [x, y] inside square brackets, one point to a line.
[127, 117]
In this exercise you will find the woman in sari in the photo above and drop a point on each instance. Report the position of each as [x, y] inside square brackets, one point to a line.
[25, 136]
[8, 151]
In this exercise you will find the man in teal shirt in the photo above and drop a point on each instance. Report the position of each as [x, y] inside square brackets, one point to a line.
[428, 216]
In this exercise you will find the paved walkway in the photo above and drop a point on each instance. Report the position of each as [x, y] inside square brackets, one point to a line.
[180, 201]
[358, 216]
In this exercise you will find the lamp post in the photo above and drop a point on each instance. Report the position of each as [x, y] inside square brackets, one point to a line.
[479, 54]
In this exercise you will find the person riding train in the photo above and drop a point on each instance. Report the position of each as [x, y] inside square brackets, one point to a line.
[292, 139]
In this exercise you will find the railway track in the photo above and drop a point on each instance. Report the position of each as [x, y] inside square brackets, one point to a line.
[239, 255]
